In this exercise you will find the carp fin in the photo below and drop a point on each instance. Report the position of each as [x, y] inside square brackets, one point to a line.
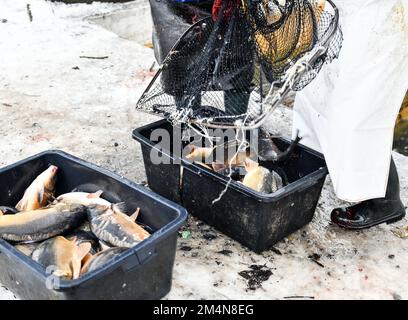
[119, 207]
[250, 164]
[83, 250]
[95, 195]
[20, 204]
[135, 214]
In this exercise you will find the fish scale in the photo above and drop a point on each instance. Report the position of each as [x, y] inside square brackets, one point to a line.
[114, 227]
[40, 191]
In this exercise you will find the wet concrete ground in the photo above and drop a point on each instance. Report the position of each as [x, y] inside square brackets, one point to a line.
[50, 98]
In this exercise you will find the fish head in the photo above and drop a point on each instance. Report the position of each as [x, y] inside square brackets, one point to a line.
[49, 177]
[40, 191]
[198, 153]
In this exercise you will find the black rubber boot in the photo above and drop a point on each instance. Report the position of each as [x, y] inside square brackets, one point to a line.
[373, 212]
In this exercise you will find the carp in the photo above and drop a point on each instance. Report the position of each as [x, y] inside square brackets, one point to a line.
[64, 256]
[89, 199]
[40, 192]
[41, 224]
[81, 236]
[260, 178]
[116, 228]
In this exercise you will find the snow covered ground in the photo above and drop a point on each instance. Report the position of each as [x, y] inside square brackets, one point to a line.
[51, 98]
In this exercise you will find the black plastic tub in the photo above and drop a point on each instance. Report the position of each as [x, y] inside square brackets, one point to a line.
[254, 219]
[143, 272]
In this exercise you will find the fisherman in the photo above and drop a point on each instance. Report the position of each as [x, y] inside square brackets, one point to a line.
[348, 113]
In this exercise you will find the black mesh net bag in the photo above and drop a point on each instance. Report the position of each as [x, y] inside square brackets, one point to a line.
[232, 71]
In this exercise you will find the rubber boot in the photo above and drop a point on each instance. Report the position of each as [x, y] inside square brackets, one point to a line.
[373, 212]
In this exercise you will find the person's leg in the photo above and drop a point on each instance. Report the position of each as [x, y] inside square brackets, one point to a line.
[373, 212]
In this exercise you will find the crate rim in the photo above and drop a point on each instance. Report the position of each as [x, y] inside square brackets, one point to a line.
[159, 235]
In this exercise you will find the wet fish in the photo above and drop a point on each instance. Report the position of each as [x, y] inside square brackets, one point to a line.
[64, 256]
[260, 178]
[234, 160]
[274, 46]
[199, 154]
[7, 210]
[219, 157]
[102, 258]
[41, 224]
[26, 248]
[229, 155]
[116, 228]
[89, 199]
[40, 192]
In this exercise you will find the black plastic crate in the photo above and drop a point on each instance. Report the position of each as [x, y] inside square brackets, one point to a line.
[142, 272]
[254, 219]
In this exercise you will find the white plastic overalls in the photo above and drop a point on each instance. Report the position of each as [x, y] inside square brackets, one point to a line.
[348, 112]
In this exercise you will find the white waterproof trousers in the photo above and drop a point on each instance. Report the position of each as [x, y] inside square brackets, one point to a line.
[348, 112]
